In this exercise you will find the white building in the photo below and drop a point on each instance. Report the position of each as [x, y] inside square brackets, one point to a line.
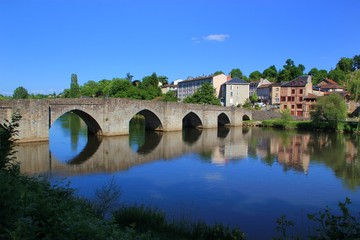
[190, 85]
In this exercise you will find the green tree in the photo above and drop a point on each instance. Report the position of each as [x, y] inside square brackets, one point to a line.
[354, 85]
[163, 80]
[170, 96]
[150, 84]
[103, 88]
[218, 73]
[356, 62]
[270, 73]
[329, 112]
[345, 64]
[255, 75]
[205, 94]
[120, 88]
[8, 134]
[89, 89]
[317, 75]
[290, 71]
[152, 80]
[129, 77]
[236, 73]
[254, 98]
[20, 93]
[337, 75]
[74, 91]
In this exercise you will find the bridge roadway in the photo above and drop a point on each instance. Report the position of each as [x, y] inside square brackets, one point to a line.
[111, 116]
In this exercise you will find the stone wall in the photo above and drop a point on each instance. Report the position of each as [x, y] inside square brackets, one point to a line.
[264, 115]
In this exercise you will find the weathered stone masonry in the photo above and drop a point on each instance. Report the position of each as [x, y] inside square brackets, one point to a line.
[110, 117]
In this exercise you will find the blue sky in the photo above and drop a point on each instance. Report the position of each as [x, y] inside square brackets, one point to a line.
[42, 42]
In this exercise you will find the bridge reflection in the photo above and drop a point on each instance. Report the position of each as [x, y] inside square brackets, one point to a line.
[292, 150]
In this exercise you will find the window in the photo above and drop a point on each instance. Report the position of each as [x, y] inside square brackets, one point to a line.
[292, 91]
[301, 91]
[300, 99]
[292, 106]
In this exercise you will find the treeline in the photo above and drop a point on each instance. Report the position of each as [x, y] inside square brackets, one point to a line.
[345, 72]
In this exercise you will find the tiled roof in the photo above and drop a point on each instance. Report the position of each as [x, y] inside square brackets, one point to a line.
[311, 96]
[297, 82]
[327, 81]
[236, 81]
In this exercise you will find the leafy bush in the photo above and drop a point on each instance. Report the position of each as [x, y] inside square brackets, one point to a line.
[328, 225]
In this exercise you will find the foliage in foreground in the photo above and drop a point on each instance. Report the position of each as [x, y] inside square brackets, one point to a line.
[152, 221]
[327, 225]
[31, 208]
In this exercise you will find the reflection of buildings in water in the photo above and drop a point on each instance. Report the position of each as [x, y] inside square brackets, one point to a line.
[294, 154]
[222, 154]
[351, 152]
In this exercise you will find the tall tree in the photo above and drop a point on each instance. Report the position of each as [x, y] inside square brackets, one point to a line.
[345, 64]
[356, 62]
[20, 93]
[205, 94]
[129, 77]
[152, 80]
[74, 87]
[270, 73]
[290, 71]
[255, 75]
[354, 85]
[236, 73]
[317, 75]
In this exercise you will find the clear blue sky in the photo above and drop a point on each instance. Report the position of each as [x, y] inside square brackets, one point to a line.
[42, 42]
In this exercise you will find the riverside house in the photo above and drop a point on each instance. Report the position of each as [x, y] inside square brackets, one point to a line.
[293, 94]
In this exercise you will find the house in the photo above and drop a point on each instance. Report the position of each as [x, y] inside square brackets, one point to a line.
[292, 95]
[255, 84]
[275, 94]
[328, 85]
[263, 92]
[173, 86]
[234, 92]
[190, 85]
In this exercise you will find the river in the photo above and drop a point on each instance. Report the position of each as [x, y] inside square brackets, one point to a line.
[243, 177]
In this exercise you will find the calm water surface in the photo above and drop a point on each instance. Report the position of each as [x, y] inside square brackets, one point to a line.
[246, 177]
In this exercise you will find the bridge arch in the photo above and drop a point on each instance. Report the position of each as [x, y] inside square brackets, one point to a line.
[223, 120]
[246, 117]
[93, 126]
[191, 120]
[152, 122]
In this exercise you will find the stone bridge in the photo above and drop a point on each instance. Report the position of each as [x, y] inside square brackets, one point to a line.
[111, 116]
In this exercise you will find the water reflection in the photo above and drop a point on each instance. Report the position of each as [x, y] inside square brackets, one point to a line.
[294, 151]
[191, 135]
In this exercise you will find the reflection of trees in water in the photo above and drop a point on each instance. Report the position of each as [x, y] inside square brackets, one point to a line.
[137, 131]
[340, 152]
[72, 123]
